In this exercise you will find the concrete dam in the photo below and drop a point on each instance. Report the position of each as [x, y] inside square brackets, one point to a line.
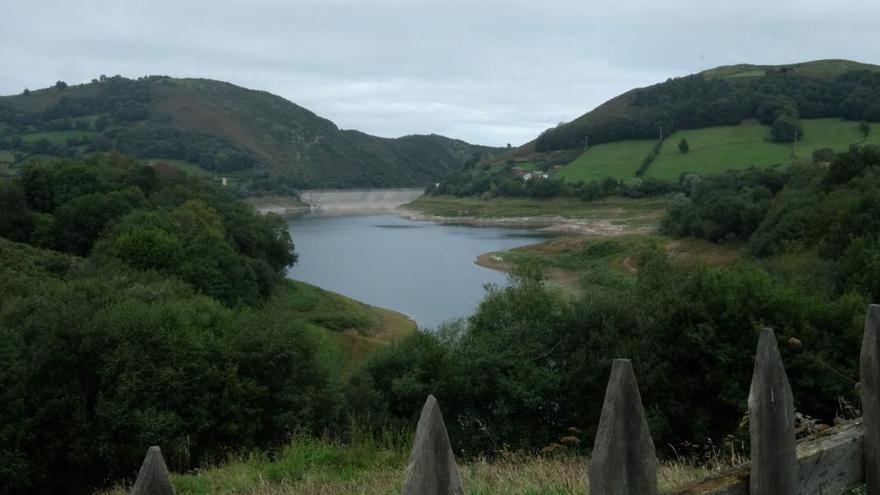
[358, 199]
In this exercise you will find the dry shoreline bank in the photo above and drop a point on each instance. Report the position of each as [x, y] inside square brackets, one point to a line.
[548, 224]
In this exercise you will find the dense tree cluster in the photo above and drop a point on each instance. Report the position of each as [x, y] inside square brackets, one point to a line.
[137, 307]
[696, 101]
[833, 212]
[112, 206]
[724, 207]
[531, 366]
[489, 182]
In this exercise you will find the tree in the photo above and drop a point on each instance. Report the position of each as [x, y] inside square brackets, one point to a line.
[786, 129]
[26, 92]
[683, 146]
[102, 123]
[61, 85]
[865, 128]
[16, 219]
[823, 155]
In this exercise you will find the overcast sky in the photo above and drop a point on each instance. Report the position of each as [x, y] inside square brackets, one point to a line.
[488, 72]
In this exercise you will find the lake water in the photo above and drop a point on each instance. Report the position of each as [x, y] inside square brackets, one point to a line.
[421, 269]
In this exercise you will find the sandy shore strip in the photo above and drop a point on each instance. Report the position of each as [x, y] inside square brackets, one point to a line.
[549, 224]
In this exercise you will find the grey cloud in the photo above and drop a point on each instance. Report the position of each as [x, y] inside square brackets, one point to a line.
[485, 71]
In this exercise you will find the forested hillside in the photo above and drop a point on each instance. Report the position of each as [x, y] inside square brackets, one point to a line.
[139, 306]
[261, 141]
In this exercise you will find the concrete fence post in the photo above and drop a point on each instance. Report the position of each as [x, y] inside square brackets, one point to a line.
[771, 423]
[153, 477]
[623, 461]
[432, 469]
[870, 391]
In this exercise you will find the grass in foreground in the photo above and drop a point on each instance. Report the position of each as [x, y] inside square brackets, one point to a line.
[322, 467]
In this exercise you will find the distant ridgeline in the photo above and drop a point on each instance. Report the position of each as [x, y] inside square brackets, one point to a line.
[261, 142]
[727, 96]
[646, 140]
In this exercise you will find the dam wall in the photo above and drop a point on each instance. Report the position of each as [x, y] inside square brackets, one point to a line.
[359, 199]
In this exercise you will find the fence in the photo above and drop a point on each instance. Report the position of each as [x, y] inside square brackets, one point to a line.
[623, 459]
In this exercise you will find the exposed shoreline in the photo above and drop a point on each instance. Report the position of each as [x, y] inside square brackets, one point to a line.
[548, 224]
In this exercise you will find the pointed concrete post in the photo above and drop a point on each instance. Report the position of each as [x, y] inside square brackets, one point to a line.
[623, 461]
[771, 423]
[153, 478]
[870, 389]
[432, 469]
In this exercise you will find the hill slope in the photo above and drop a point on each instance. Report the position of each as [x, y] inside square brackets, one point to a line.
[620, 132]
[242, 133]
[726, 96]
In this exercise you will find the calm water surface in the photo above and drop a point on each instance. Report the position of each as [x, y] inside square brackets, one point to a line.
[422, 269]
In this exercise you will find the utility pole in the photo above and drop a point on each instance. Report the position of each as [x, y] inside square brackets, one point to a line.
[661, 133]
[586, 142]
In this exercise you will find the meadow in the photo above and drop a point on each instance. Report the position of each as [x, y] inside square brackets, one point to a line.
[618, 160]
[715, 149]
[364, 466]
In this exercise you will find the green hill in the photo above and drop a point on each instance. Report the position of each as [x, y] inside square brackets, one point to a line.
[251, 136]
[725, 113]
[726, 96]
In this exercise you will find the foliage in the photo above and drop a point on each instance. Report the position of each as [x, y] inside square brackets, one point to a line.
[786, 129]
[683, 146]
[724, 207]
[831, 211]
[530, 364]
[173, 224]
[165, 328]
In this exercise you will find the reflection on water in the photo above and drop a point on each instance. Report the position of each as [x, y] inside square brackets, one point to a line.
[424, 270]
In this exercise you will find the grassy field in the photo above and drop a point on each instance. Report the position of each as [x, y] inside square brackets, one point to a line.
[835, 134]
[358, 329]
[322, 467]
[618, 160]
[715, 149]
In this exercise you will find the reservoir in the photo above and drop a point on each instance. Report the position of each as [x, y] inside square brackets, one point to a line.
[421, 269]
